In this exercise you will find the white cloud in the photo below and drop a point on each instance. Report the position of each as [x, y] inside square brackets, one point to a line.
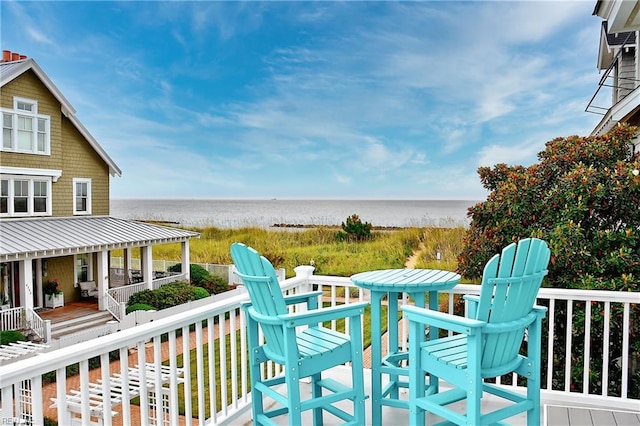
[523, 154]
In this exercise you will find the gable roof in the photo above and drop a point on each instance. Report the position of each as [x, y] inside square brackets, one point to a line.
[59, 236]
[11, 70]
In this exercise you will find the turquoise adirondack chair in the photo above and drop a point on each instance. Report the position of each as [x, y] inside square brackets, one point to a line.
[486, 344]
[303, 351]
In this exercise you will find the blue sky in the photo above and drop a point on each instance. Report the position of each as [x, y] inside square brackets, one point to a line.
[374, 100]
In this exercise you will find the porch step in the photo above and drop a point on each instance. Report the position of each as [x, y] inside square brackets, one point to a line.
[62, 328]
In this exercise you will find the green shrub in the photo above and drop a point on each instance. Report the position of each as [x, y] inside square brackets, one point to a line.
[11, 336]
[582, 198]
[354, 230]
[168, 295]
[215, 285]
[199, 275]
[200, 293]
[140, 307]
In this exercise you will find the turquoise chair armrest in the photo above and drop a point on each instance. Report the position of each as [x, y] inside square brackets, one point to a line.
[293, 299]
[472, 303]
[325, 314]
[540, 311]
[305, 297]
[442, 320]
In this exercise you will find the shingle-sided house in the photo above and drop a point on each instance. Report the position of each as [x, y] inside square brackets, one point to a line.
[619, 62]
[54, 198]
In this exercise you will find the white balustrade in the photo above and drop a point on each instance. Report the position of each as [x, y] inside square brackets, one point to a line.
[218, 379]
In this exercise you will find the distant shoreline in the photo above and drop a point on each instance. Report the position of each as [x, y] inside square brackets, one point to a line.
[284, 214]
[287, 225]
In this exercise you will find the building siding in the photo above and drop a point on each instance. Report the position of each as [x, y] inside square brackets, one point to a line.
[29, 86]
[626, 74]
[81, 161]
[62, 270]
[70, 151]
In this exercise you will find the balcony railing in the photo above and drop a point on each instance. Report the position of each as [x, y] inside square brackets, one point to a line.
[214, 387]
[23, 319]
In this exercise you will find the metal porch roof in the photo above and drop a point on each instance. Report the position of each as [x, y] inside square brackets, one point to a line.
[48, 237]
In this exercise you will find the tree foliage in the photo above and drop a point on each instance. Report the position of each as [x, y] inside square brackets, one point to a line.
[354, 229]
[583, 198]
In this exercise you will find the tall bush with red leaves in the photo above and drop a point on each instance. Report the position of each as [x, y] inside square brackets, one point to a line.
[583, 198]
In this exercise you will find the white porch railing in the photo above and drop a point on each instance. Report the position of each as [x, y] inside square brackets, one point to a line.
[23, 319]
[116, 308]
[39, 326]
[159, 282]
[216, 384]
[123, 293]
[11, 319]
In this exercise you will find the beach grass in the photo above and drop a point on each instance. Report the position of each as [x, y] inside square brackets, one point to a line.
[320, 247]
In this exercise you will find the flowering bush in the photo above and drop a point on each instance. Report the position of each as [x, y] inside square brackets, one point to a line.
[582, 198]
[52, 288]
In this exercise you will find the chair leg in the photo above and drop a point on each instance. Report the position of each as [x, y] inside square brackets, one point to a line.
[294, 405]
[357, 380]
[257, 407]
[534, 354]
[474, 387]
[533, 394]
[316, 392]
[416, 376]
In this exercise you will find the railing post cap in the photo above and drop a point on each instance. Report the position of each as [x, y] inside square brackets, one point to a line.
[304, 270]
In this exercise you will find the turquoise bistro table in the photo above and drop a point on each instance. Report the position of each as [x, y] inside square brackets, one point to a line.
[391, 283]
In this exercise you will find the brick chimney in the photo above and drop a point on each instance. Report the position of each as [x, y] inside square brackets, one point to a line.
[9, 56]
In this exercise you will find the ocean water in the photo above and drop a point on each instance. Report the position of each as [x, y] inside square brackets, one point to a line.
[267, 213]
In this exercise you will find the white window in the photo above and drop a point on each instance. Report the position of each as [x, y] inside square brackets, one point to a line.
[84, 269]
[20, 196]
[25, 196]
[4, 196]
[81, 196]
[24, 130]
[40, 196]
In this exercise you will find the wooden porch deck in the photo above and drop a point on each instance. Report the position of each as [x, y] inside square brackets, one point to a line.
[551, 414]
[69, 311]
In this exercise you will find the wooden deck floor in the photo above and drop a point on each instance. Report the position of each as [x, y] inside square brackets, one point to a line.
[69, 311]
[551, 415]
[555, 415]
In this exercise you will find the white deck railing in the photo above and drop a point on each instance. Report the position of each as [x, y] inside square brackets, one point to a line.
[37, 324]
[22, 319]
[11, 319]
[216, 386]
[159, 282]
[123, 293]
[116, 308]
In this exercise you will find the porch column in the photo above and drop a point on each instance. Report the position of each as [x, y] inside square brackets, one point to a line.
[146, 259]
[26, 283]
[102, 278]
[186, 261]
[127, 265]
[39, 274]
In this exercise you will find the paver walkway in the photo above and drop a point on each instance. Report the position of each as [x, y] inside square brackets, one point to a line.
[73, 382]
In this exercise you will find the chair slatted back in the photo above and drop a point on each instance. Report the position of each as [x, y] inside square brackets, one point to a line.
[510, 285]
[259, 277]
